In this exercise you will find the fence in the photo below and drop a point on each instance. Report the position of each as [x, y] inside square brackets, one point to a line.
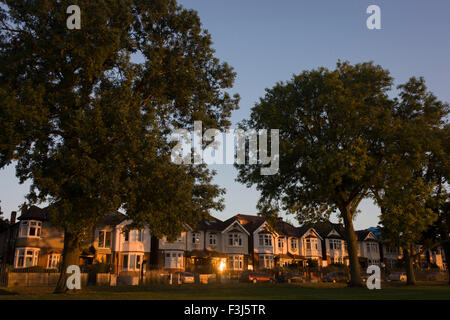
[31, 277]
[3, 275]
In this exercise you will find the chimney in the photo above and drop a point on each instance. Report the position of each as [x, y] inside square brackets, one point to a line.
[13, 217]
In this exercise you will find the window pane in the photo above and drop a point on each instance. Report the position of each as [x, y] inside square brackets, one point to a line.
[101, 239]
[108, 240]
[132, 261]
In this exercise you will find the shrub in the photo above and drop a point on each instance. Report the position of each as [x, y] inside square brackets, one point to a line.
[336, 267]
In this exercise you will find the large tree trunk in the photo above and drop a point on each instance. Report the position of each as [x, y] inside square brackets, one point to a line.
[410, 276]
[355, 268]
[71, 256]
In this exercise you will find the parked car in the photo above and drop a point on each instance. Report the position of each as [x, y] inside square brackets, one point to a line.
[336, 276]
[184, 277]
[289, 277]
[251, 276]
[397, 276]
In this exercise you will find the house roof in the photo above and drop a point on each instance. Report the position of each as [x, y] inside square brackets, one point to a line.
[250, 223]
[210, 223]
[112, 219]
[285, 228]
[34, 213]
[325, 228]
[363, 234]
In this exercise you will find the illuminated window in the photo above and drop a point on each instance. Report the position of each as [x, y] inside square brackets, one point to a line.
[26, 257]
[53, 260]
[236, 262]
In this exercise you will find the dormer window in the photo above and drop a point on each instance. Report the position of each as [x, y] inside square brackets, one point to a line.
[30, 229]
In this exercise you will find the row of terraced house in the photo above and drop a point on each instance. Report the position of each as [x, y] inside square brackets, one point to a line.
[243, 242]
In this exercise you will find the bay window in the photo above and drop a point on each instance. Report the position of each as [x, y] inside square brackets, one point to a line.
[30, 229]
[132, 261]
[265, 240]
[174, 260]
[236, 262]
[266, 261]
[26, 257]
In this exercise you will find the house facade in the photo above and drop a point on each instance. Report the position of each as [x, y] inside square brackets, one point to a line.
[35, 241]
[368, 248]
[334, 246]
[243, 242]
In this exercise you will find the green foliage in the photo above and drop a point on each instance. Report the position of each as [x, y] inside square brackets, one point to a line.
[91, 127]
[3, 222]
[34, 269]
[335, 267]
[331, 128]
[343, 139]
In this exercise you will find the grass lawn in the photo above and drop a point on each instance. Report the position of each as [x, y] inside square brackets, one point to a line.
[241, 291]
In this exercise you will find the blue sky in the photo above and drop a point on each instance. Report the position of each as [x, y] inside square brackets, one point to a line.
[267, 41]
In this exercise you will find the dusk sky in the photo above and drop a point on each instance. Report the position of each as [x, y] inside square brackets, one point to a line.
[267, 41]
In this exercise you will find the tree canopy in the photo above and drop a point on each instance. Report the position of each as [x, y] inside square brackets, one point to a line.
[341, 136]
[87, 114]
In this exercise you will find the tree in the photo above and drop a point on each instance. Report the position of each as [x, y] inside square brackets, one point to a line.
[405, 217]
[438, 234]
[410, 191]
[91, 127]
[3, 223]
[338, 141]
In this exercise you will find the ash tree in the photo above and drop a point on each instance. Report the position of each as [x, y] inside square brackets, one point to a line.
[339, 141]
[87, 114]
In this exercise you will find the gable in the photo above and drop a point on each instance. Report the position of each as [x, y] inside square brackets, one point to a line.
[235, 227]
[264, 228]
[311, 233]
[371, 237]
[334, 233]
